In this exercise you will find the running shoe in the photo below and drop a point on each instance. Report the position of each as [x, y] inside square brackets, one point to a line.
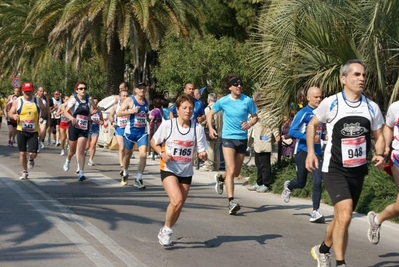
[66, 166]
[81, 178]
[124, 180]
[316, 217]
[139, 184]
[219, 183]
[262, 189]
[286, 195]
[24, 175]
[31, 164]
[9, 143]
[233, 207]
[373, 232]
[41, 145]
[133, 157]
[62, 152]
[91, 163]
[121, 172]
[253, 187]
[323, 259]
[164, 237]
[58, 143]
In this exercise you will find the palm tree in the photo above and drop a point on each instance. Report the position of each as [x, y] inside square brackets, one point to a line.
[305, 42]
[110, 27]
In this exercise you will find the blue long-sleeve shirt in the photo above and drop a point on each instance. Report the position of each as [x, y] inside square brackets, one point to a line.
[298, 130]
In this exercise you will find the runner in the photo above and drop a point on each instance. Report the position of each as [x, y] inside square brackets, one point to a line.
[44, 118]
[351, 119]
[11, 123]
[64, 124]
[79, 126]
[119, 123]
[25, 110]
[97, 120]
[55, 102]
[136, 108]
[176, 140]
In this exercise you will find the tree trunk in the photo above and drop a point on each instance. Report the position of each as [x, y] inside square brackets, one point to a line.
[115, 66]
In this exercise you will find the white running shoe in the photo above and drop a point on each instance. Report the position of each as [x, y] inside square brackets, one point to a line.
[323, 259]
[316, 217]
[164, 237]
[286, 194]
[219, 183]
[62, 152]
[24, 175]
[66, 165]
[31, 164]
[373, 233]
[91, 163]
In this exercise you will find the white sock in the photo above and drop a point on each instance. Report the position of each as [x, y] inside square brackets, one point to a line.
[139, 176]
[375, 220]
[81, 172]
[125, 173]
[165, 228]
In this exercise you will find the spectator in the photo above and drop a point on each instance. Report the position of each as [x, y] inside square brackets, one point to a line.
[288, 143]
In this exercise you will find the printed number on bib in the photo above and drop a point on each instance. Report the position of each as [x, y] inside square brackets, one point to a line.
[95, 118]
[122, 121]
[82, 122]
[353, 151]
[182, 151]
[28, 125]
[140, 120]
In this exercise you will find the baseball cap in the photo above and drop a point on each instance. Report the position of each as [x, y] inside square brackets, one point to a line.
[140, 84]
[27, 87]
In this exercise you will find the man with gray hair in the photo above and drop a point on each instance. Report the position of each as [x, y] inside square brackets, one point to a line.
[213, 151]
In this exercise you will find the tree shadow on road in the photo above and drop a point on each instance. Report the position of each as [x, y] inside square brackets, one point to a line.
[387, 263]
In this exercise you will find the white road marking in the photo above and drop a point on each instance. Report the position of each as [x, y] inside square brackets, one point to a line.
[102, 180]
[44, 179]
[93, 254]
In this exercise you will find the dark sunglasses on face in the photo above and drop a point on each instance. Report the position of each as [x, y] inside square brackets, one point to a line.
[82, 88]
[237, 84]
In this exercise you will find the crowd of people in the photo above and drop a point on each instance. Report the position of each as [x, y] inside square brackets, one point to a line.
[229, 124]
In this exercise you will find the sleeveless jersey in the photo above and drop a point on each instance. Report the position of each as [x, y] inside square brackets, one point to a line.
[121, 122]
[180, 143]
[349, 129]
[28, 112]
[58, 102]
[80, 111]
[137, 123]
[95, 118]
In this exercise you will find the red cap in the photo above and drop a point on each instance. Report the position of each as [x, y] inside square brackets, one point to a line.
[27, 87]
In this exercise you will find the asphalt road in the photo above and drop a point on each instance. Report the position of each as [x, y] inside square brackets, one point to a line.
[54, 220]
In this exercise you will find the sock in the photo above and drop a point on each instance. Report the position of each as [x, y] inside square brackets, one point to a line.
[231, 198]
[376, 221]
[125, 172]
[324, 248]
[81, 173]
[68, 161]
[167, 228]
[339, 263]
[139, 176]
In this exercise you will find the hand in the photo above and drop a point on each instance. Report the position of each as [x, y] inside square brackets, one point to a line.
[317, 139]
[203, 155]
[200, 119]
[165, 157]
[278, 138]
[73, 121]
[245, 125]
[41, 120]
[312, 162]
[379, 162]
[134, 110]
[213, 134]
[15, 117]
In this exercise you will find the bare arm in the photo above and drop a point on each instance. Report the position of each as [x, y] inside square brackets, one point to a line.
[12, 113]
[126, 108]
[380, 147]
[312, 162]
[212, 132]
[388, 136]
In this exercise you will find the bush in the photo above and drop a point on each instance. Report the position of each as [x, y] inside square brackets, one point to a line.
[379, 189]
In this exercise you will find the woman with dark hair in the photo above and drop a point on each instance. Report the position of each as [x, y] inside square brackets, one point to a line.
[176, 140]
[239, 114]
[79, 126]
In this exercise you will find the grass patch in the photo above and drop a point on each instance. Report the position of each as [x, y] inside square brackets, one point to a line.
[379, 189]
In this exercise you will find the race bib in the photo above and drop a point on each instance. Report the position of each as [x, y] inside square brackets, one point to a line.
[28, 125]
[82, 122]
[140, 120]
[353, 151]
[95, 118]
[64, 119]
[122, 121]
[182, 151]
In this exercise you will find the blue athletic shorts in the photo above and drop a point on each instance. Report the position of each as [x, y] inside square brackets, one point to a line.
[129, 139]
[119, 131]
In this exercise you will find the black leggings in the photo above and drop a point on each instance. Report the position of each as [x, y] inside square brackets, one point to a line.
[301, 177]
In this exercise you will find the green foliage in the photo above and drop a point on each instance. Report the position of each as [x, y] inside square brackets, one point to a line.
[379, 189]
[201, 60]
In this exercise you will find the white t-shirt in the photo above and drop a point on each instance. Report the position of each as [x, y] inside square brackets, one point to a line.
[180, 144]
[392, 120]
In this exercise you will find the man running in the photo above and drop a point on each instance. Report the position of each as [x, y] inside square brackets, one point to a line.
[25, 110]
[350, 118]
[44, 118]
[136, 108]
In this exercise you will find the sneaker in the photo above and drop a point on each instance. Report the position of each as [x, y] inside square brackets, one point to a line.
[316, 217]
[53, 142]
[121, 172]
[31, 164]
[66, 166]
[24, 175]
[41, 145]
[124, 181]
[164, 237]
[91, 163]
[233, 208]
[133, 157]
[62, 152]
[262, 189]
[9, 143]
[204, 169]
[219, 183]
[139, 184]
[149, 156]
[323, 259]
[253, 187]
[286, 195]
[58, 143]
[373, 232]
[81, 178]
[48, 142]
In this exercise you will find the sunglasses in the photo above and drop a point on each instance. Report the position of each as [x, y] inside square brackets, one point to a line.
[82, 88]
[237, 84]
